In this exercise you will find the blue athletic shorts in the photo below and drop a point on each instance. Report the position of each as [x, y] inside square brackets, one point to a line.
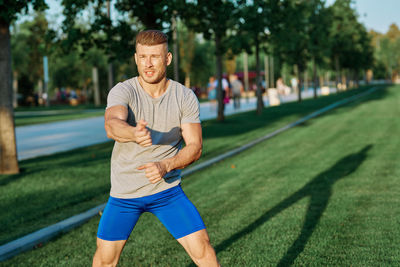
[171, 207]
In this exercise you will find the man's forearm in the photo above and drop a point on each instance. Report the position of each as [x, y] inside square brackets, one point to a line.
[119, 130]
[122, 132]
[189, 154]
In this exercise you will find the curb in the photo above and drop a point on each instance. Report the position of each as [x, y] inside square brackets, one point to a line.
[29, 241]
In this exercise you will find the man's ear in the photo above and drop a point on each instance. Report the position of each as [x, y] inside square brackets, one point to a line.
[135, 57]
[169, 58]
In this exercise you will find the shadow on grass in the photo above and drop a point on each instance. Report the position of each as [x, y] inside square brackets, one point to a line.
[29, 215]
[319, 190]
[78, 158]
[23, 173]
[233, 125]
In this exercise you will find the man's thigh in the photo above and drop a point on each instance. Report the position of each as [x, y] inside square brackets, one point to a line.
[108, 252]
[198, 246]
[118, 219]
[177, 213]
[195, 242]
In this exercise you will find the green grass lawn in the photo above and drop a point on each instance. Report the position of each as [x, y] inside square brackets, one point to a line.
[35, 115]
[55, 187]
[321, 194]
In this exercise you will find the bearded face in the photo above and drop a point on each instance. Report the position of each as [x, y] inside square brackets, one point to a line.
[152, 62]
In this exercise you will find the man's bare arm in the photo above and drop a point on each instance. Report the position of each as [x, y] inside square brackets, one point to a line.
[118, 129]
[192, 135]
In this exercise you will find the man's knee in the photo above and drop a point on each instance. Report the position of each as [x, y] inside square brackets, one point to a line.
[100, 260]
[204, 253]
[107, 253]
[199, 248]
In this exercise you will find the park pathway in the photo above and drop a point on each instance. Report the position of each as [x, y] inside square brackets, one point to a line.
[49, 138]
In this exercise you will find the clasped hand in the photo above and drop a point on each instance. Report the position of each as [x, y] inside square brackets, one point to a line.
[154, 171]
[142, 134]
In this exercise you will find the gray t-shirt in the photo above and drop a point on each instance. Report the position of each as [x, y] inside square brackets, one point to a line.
[164, 116]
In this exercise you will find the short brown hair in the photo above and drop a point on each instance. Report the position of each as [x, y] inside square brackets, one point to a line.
[151, 37]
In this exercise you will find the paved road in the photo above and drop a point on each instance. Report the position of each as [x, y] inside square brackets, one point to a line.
[49, 138]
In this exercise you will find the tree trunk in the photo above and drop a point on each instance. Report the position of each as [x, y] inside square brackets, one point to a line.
[110, 76]
[337, 73]
[15, 89]
[266, 72]
[220, 95]
[175, 48]
[8, 148]
[260, 102]
[350, 79]
[246, 74]
[40, 92]
[305, 79]
[272, 71]
[85, 93]
[301, 82]
[110, 65]
[321, 82]
[298, 74]
[327, 78]
[344, 79]
[315, 78]
[187, 80]
[95, 76]
[357, 77]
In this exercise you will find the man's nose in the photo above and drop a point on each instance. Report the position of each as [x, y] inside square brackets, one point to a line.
[149, 63]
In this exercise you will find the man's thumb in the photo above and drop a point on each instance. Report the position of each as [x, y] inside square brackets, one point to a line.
[141, 167]
[141, 124]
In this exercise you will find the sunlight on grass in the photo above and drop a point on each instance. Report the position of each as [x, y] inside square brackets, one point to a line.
[320, 194]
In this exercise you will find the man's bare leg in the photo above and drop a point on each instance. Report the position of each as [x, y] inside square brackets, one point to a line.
[198, 246]
[107, 252]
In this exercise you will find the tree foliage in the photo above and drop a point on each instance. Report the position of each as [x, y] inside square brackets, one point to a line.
[9, 9]
[114, 38]
[351, 44]
[387, 52]
[187, 47]
[291, 36]
[297, 32]
[151, 13]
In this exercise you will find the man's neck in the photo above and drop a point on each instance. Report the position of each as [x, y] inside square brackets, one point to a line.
[154, 90]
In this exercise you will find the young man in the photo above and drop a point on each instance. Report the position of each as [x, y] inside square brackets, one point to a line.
[149, 117]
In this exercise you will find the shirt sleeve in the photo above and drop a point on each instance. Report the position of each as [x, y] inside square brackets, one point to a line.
[190, 108]
[118, 96]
